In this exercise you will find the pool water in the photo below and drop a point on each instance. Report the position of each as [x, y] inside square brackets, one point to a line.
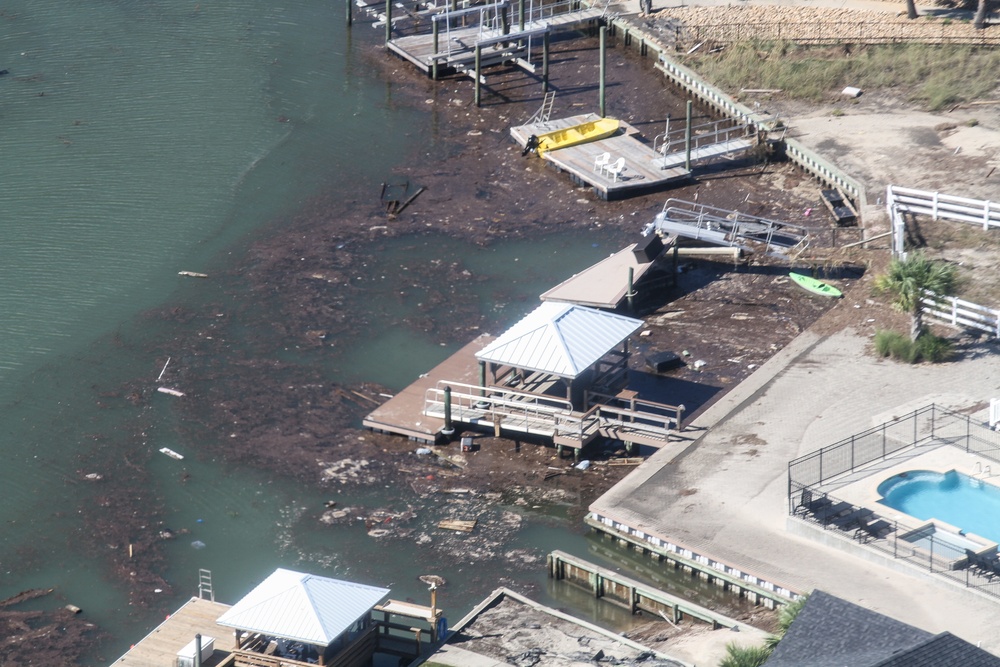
[969, 504]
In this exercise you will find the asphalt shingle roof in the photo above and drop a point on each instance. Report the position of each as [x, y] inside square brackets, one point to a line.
[831, 632]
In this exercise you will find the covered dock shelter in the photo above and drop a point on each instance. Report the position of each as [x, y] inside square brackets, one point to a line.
[564, 350]
[296, 618]
[560, 373]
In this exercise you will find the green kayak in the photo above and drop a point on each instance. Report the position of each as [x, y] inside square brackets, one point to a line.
[815, 286]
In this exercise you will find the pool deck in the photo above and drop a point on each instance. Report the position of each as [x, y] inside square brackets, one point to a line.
[726, 493]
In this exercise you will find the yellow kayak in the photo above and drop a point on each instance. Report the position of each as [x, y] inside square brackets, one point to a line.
[577, 134]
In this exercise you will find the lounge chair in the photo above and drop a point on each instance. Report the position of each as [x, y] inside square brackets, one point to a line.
[809, 505]
[877, 529]
[832, 511]
[851, 519]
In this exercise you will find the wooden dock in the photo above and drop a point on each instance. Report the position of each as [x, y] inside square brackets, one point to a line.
[603, 285]
[403, 414]
[159, 648]
[641, 175]
[456, 46]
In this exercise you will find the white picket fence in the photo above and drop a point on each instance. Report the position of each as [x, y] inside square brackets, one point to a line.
[940, 207]
[963, 314]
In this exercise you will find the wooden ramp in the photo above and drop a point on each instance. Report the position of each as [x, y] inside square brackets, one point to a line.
[603, 285]
[641, 175]
[403, 414]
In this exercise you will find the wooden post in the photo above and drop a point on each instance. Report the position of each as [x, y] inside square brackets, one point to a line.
[448, 429]
[350, 12]
[197, 650]
[603, 61]
[388, 20]
[687, 139]
[545, 62]
[479, 71]
[520, 15]
[630, 294]
[434, 63]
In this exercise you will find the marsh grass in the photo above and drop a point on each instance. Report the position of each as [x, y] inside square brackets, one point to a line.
[933, 76]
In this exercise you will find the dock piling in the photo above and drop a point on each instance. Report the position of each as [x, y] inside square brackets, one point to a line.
[687, 138]
[349, 4]
[388, 21]
[479, 71]
[603, 61]
[545, 62]
[449, 428]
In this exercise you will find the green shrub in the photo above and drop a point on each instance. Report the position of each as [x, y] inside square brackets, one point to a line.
[927, 347]
[934, 349]
[883, 342]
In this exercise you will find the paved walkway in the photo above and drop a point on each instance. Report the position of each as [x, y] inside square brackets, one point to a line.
[726, 494]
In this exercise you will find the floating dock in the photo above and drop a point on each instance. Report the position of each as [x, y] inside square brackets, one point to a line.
[641, 175]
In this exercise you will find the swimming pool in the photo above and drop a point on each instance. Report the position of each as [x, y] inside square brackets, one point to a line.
[969, 504]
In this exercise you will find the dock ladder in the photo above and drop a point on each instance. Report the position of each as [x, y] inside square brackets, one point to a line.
[205, 585]
[545, 111]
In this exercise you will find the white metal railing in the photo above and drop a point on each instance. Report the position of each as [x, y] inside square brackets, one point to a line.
[958, 313]
[474, 404]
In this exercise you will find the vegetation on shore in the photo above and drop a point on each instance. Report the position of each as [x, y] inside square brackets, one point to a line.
[933, 76]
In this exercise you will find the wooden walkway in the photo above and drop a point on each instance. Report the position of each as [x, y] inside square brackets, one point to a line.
[403, 414]
[159, 648]
[603, 285]
[641, 175]
[456, 48]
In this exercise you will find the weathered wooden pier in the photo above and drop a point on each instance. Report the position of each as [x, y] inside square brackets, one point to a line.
[446, 38]
[631, 594]
[725, 575]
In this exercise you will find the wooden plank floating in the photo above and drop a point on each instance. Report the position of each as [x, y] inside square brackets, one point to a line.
[458, 525]
[192, 274]
[168, 390]
[171, 453]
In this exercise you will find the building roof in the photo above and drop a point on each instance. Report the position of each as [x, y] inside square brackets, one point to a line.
[831, 632]
[559, 338]
[302, 607]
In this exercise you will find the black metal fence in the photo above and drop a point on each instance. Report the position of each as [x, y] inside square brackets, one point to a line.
[930, 426]
[945, 554]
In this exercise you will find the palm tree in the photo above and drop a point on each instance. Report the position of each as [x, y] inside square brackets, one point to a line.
[981, 10]
[786, 615]
[908, 279]
[745, 656]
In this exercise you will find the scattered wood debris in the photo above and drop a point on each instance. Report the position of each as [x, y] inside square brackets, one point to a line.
[457, 524]
[192, 274]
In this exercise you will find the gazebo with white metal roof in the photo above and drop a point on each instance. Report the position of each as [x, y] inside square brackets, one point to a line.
[302, 616]
[576, 346]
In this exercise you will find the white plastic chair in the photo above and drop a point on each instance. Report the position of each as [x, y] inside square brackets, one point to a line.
[615, 169]
[601, 161]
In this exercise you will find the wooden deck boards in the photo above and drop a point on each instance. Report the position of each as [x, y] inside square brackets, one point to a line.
[403, 413]
[159, 648]
[457, 47]
[641, 175]
[603, 285]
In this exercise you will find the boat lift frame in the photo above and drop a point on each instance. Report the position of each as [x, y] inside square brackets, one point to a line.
[727, 227]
